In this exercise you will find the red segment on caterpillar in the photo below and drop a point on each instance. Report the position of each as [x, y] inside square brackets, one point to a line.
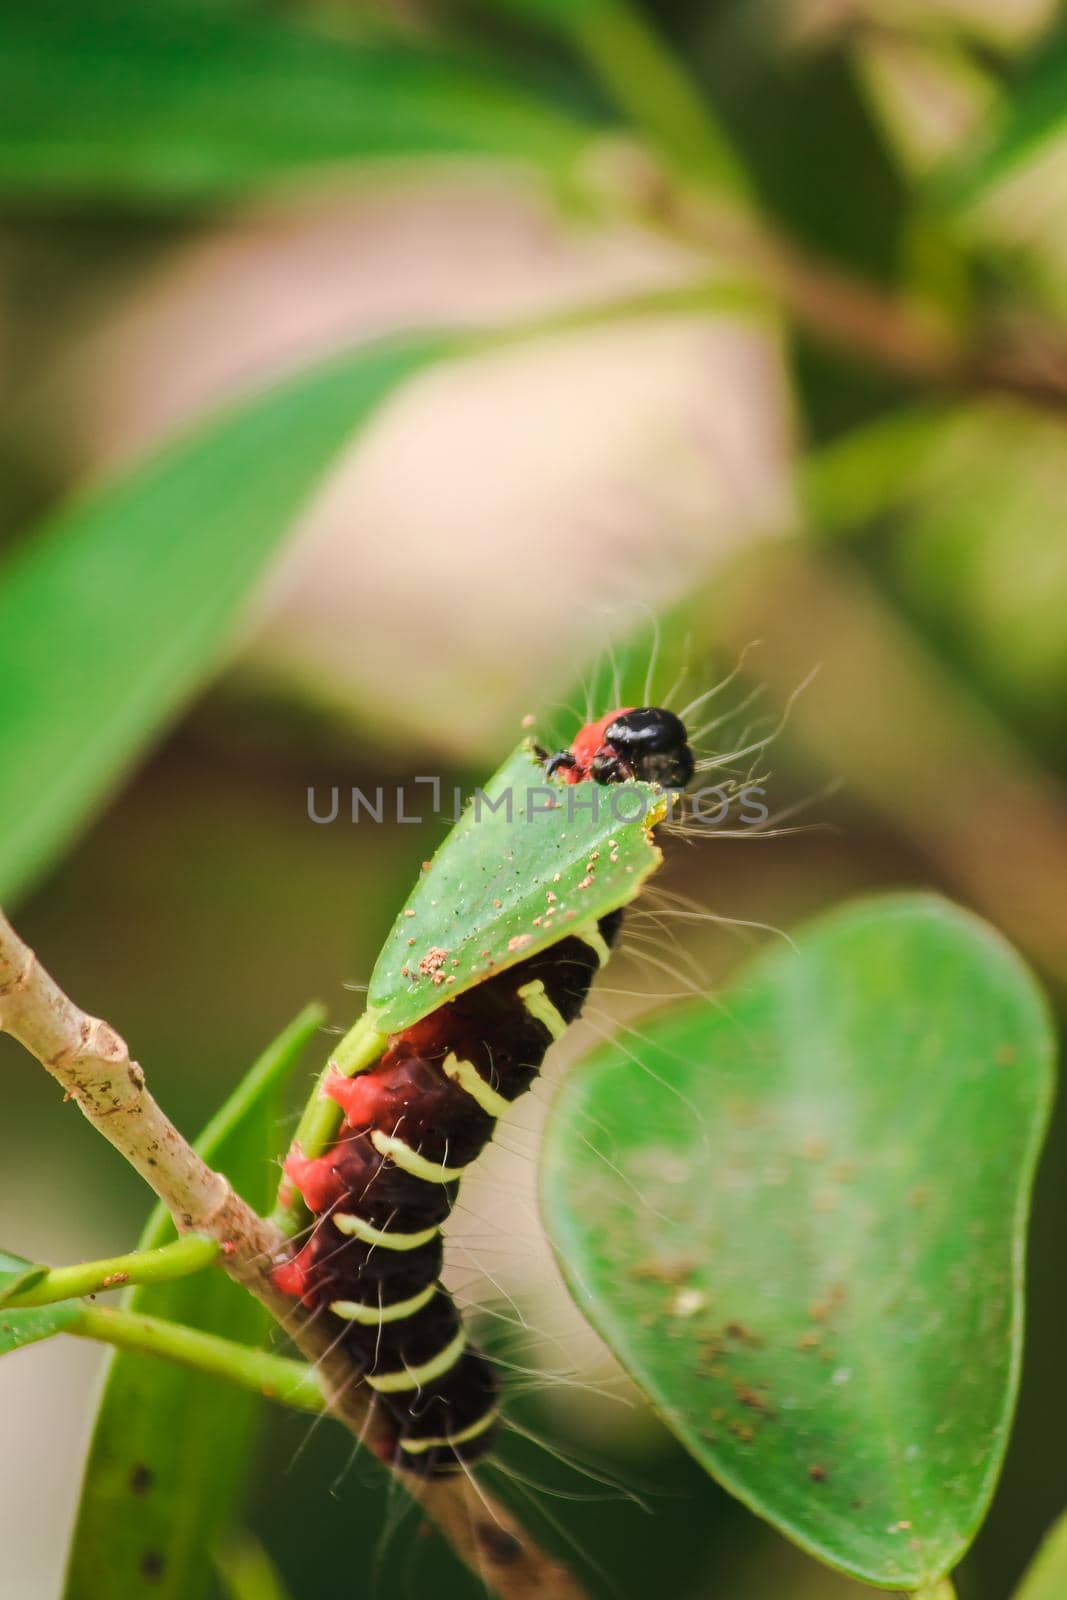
[588, 743]
[317, 1179]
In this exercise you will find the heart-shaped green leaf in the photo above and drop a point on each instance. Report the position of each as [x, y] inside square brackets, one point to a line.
[513, 877]
[168, 1463]
[801, 1229]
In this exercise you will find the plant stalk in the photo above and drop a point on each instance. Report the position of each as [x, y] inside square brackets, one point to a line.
[187, 1255]
[291, 1383]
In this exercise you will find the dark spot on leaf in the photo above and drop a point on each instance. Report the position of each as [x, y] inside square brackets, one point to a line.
[499, 1545]
[141, 1478]
[153, 1564]
[817, 1474]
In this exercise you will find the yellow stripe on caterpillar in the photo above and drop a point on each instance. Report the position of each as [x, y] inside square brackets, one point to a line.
[369, 1316]
[418, 1447]
[415, 1377]
[356, 1228]
[402, 1155]
[540, 1007]
[591, 935]
[466, 1074]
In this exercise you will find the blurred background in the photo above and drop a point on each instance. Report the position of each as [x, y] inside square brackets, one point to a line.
[778, 352]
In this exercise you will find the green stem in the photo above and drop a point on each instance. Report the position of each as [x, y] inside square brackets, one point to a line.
[178, 1260]
[317, 1129]
[650, 85]
[247, 1571]
[292, 1383]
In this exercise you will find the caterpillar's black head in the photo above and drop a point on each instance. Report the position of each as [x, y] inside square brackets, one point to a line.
[648, 743]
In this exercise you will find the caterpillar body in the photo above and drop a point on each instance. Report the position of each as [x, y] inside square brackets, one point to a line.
[418, 1118]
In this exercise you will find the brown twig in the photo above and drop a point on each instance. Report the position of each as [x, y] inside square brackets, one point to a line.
[92, 1064]
[852, 315]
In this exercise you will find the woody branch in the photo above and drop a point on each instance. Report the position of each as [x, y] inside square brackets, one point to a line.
[92, 1064]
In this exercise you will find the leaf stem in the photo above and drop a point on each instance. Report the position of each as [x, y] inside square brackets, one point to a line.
[292, 1383]
[648, 82]
[189, 1254]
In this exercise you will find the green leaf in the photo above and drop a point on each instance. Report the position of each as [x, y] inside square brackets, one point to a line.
[509, 882]
[169, 1456]
[112, 617]
[17, 1274]
[1046, 1576]
[116, 100]
[1030, 118]
[18, 1328]
[799, 1222]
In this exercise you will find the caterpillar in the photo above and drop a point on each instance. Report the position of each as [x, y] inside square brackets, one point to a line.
[414, 1122]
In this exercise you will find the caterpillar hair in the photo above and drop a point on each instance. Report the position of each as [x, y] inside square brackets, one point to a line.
[416, 1120]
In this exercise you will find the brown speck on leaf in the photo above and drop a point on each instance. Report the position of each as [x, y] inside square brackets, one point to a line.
[817, 1474]
[410, 943]
[743, 1335]
[519, 941]
[550, 894]
[404, 973]
[742, 1431]
[587, 882]
[809, 1339]
[498, 904]
[433, 960]
[408, 911]
[669, 1272]
[748, 1397]
[152, 1564]
[1006, 1055]
[114, 1278]
[141, 1478]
